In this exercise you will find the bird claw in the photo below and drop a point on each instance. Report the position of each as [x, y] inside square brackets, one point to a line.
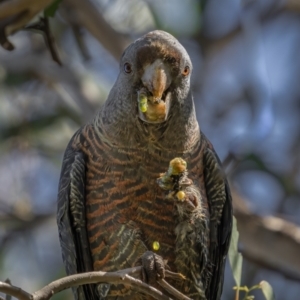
[153, 267]
[102, 290]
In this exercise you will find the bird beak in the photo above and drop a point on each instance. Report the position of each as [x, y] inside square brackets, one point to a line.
[153, 97]
[156, 79]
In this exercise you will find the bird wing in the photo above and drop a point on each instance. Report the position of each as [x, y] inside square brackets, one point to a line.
[71, 220]
[220, 206]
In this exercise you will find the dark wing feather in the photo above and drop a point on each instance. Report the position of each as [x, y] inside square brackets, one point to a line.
[220, 205]
[71, 221]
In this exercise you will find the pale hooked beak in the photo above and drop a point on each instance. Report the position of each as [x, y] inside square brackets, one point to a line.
[153, 97]
[156, 79]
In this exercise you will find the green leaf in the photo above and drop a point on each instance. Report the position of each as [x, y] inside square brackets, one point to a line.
[235, 258]
[267, 290]
[52, 8]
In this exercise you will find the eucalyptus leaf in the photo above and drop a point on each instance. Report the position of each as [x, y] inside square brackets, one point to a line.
[235, 258]
[267, 290]
[52, 8]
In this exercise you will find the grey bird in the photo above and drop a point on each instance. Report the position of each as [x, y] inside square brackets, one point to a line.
[111, 209]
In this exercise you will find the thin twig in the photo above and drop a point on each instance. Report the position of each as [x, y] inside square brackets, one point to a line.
[171, 290]
[86, 15]
[237, 293]
[14, 291]
[173, 275]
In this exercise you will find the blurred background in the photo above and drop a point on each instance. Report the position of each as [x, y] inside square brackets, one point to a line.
[246, 84]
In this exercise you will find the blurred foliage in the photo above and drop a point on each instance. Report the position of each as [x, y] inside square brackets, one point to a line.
[236, 264]
[235, 258]
[51, 10]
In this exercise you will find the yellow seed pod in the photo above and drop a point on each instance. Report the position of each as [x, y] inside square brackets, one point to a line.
[155, 245]
[143, 106]
[180, 195]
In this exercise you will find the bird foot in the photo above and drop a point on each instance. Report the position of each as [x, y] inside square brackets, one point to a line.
[153, 267]
[102, 290]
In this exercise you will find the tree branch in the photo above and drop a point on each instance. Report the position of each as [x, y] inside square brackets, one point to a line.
[14, 7]
[14, 291]
[59, 78]
[272, 242]
[24, 9]
[118, 277]
[293, 5]
[85, 14]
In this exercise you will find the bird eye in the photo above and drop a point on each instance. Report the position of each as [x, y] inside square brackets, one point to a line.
[186, 71]
[127, 68]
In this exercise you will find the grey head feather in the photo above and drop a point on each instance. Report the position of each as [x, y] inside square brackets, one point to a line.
[118, 119]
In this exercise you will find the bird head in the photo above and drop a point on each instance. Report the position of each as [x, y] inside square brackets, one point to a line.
[157, 69]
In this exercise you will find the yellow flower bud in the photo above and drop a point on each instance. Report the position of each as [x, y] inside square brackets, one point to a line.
[155, 245]
[180, 195]
[177, 166]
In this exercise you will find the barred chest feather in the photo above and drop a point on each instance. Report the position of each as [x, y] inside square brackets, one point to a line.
[123, 200]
